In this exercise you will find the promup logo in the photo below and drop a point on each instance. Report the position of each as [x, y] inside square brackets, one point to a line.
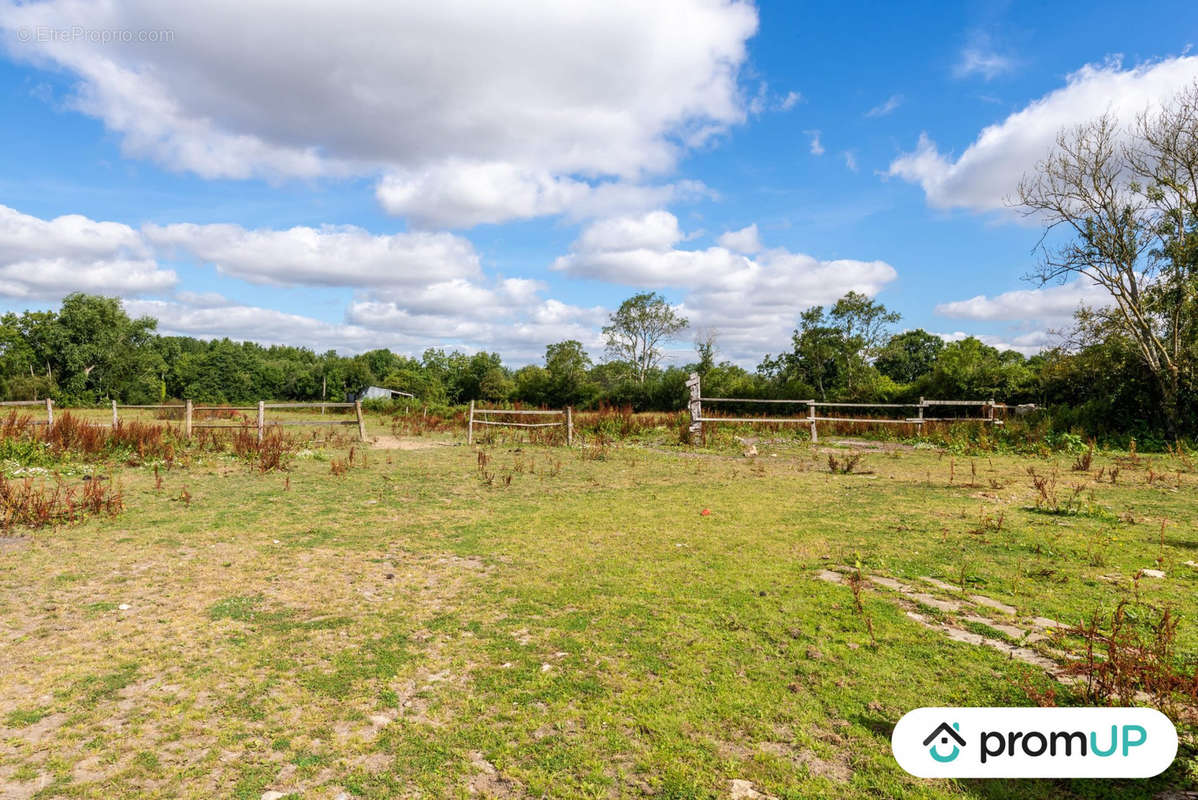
[944, 732]
[1034, 742]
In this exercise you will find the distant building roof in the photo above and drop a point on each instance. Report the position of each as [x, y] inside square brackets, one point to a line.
[377, 393]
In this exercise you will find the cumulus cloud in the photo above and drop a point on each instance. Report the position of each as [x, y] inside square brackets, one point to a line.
[881, 110]
[1050, 304]
[745, 240]
[460, 90]
[48, 259]
[510, 317]
[1027, 344]
[463, 194]
[988, 172]
[753, 301]
[326, 256]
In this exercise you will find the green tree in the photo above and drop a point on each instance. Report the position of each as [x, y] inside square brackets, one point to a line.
[566, 365]
[638, 328]
[909, 355]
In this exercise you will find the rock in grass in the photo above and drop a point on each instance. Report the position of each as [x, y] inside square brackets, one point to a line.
[272, 795]
[1151, 573]
[743, 790]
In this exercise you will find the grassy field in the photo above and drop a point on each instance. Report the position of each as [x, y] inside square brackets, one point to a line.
[605, 621]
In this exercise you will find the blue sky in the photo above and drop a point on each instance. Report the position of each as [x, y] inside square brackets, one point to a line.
[470, 176]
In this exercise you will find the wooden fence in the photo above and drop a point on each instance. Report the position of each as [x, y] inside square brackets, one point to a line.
[193, 415]
[481, 416]
[695, 407]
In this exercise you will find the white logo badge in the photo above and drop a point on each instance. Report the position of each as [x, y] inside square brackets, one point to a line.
[1034, 742]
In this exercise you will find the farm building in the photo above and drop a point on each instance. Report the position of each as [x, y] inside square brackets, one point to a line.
[376, 393]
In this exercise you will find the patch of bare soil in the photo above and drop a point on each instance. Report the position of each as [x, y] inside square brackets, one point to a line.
[406, 443]
[488, 781]
[870, 444]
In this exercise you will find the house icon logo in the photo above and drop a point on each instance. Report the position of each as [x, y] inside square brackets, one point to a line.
[944, 732]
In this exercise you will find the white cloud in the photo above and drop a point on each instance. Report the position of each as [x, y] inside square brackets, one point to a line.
[657, 230]
[978, 60]
[430, 320]
[547, 93]
[48, 259]
[881, 110]
[753, 302]
[1027, 344]
[850, 160]
[791, 100]
[988, 172]
[254, 323]
[744, 240]
[326, 256]
[817, 148]
[1052, 304]
[461, 194]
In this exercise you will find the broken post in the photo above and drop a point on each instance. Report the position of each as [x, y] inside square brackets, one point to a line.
[696, 407]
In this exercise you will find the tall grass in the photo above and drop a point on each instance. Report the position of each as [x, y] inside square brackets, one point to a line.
[133, 443]
[24, 503]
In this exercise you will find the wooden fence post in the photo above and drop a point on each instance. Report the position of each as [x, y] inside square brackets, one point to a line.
[696, 407]
[470, 425]
[187, 418]
[990, 414]
[919, 425]
[569, 426]
[361, 420]
[49, 412]
[811, 417]
[261, 419]
[114, 420]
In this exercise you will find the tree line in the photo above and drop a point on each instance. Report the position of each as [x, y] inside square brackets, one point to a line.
[90, 351]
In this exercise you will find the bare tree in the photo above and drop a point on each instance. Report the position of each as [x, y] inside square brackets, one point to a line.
[642, 322]
[1127, 201]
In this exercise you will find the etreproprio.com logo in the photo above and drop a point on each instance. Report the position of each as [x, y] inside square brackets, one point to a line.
[1034, 742]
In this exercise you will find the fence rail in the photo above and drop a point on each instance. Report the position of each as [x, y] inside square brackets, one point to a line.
[695, 406]
[478, 416]
[190, 410]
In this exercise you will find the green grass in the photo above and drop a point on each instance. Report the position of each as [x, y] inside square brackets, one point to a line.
[582, 632]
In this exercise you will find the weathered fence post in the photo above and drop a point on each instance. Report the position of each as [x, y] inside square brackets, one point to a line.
[919, 425]
[470, 425]
[49, 412]
[261, 419]
[811, 418]
[187, 418]
[696, 407]
[569, 425]
[361, 420]
[114, 414]
[990, 413]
